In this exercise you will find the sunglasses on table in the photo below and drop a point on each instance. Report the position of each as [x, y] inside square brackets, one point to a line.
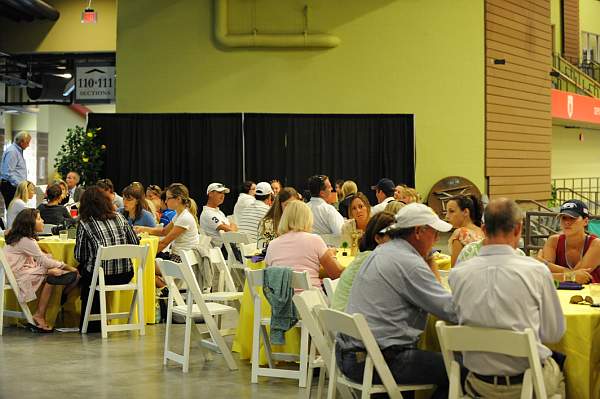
[580, 300]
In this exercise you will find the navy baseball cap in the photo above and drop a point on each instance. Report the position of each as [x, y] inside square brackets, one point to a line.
[574, 208]
[386, 185]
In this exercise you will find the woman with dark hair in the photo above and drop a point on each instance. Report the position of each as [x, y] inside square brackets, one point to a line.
[133, 209]
[573, 255]
[100, 225]
[53, 212]
[368, 242]
[464, 214]
[35, 271]
[267, 228]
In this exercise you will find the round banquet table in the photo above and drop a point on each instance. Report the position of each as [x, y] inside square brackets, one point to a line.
[242, 342]
[64, 250]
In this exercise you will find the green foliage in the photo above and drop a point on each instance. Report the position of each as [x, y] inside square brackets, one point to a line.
[82, 153]
[553, 201]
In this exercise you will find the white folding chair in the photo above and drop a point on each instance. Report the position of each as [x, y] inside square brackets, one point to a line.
[492, 340]
[308, 303]
[226, 290]
[255, 279]
[233, 239]
[330, 286]
[7, 276]
[355, 326]
[133, 252]
[48, 229]
[192, 307]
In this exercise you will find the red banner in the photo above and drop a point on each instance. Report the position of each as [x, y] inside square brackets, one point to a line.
[574, 107]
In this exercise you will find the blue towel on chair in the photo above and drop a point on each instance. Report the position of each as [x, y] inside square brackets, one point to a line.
[277, 287]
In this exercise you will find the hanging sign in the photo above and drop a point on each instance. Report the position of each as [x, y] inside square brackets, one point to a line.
[571, 106]
[95, 84]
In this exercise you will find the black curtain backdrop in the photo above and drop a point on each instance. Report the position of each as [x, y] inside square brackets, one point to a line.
[194, 149]
[362, 148]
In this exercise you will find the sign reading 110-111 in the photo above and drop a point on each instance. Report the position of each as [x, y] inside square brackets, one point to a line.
[95, 84]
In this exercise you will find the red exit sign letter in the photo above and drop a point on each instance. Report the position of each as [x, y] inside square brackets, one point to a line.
[89, 16]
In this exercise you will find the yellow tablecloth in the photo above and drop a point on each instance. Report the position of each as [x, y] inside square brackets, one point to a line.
[63, 250]
[242, 342]
[581, 344]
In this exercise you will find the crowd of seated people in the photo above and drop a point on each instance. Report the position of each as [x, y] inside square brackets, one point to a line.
[393, 280]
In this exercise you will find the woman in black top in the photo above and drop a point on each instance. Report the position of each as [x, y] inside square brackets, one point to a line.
[53, 212]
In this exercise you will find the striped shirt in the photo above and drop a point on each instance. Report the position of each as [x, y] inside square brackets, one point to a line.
[250, 218]
[93, 234]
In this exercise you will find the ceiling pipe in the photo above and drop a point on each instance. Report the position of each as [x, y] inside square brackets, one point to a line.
[31, 9]
[41, 9]
[305, 40]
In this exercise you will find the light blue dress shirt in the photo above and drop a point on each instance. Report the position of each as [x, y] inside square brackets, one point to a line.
[14, 168]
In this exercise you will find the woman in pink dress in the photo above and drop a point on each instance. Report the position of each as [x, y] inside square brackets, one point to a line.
[32, 267]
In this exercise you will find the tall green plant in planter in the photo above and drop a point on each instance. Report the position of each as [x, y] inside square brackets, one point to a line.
[81, 153]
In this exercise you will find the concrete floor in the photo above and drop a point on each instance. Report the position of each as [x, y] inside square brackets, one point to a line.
[68, 365]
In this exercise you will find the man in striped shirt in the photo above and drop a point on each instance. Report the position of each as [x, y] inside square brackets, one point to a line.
[253, 213]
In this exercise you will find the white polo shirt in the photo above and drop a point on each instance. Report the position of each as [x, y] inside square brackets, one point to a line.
[326, 219]
[210, 219]
[381, 206]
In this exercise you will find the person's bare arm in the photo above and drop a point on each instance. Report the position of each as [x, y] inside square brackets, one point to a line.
[591, 259]
[548, 256]
[174, 232]
[456, 248]
[331, 265]
[227, 227]
[155, 231]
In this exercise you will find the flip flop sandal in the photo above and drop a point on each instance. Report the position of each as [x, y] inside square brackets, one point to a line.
[39, 330]
[63, 279]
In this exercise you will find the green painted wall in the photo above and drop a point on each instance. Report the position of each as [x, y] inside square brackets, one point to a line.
[574, 158]
[589, 16]
[66, 34]
[406, 56]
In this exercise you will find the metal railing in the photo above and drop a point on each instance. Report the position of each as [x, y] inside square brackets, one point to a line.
[583, 184]
[591, 198]
[537, 227]
[569, 77]
[592, 69]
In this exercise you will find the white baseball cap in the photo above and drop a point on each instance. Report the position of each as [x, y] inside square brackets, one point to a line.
[263, 188]
[217, 187]
[416, 214]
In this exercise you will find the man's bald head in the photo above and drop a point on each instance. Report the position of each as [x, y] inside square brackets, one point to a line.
[502, 216]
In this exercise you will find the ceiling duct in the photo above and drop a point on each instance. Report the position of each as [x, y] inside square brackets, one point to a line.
[52, 88]
[28, 10]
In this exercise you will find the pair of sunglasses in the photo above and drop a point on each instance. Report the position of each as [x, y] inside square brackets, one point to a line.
[579, 300]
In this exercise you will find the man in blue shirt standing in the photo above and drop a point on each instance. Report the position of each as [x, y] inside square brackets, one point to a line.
[13, 169]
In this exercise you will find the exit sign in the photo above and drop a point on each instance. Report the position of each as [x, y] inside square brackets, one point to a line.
[89, 16]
